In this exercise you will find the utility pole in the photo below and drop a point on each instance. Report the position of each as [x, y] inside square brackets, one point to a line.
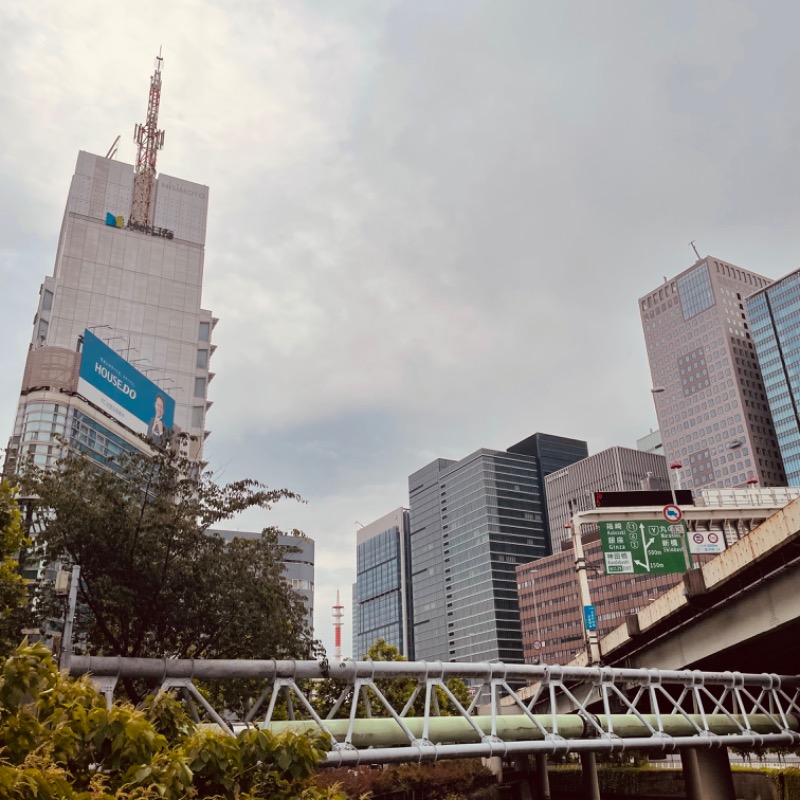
[66, 640]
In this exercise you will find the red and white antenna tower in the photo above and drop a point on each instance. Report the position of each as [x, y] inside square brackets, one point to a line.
[338, 617]
[149, 140]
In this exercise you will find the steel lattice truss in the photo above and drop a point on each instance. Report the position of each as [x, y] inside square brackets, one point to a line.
[611, 709]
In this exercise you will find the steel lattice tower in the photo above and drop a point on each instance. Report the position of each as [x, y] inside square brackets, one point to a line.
[149, 141]
[338, 622]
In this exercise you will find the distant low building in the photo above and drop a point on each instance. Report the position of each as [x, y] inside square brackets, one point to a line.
[651, 443]
[298, 567]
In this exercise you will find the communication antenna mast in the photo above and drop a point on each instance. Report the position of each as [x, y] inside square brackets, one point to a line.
[149, 141]
[695, 249]
[112, 151]
[338, 617]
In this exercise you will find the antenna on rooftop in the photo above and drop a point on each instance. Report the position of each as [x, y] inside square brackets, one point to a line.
[695, 249]
[149, 140]
[112, 151]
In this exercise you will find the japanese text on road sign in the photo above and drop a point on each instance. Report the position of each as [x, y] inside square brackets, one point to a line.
[643, 547]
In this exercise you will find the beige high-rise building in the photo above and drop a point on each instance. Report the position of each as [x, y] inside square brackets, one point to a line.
[121, 344]
[709, 396]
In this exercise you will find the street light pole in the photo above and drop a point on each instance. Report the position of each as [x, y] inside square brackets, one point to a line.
[675, 466]
[535, 605]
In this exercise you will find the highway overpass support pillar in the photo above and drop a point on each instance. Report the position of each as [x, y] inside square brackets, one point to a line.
[540, 776]
[522, 766]
[707, 774]
[533, 785]
[591, 782]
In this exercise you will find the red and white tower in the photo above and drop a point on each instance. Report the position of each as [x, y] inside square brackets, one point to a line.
[149, 140]
[338, 622]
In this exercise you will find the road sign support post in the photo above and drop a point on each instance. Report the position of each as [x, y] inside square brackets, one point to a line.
[591, 638]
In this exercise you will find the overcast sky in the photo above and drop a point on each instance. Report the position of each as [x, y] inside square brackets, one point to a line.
[429, 221]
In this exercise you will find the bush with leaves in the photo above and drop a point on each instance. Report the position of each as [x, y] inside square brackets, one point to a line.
[58, 739]
[13, 592]
[457, 778]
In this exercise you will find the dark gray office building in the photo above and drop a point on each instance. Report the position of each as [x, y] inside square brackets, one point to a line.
[382, 591]
[472, 522]
[774, 315]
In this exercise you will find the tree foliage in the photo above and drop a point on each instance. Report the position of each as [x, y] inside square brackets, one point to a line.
[59, 740]
[13, 592]
[153, 581]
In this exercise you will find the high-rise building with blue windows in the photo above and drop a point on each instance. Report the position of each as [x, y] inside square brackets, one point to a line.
[382, 591]
[774, 315]
[472, 522]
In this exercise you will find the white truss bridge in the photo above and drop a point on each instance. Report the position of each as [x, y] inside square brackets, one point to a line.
[609, 709]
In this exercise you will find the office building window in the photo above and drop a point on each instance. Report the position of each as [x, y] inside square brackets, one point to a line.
[202, 359]
[205, 331]
[695, 292]
[200, 387]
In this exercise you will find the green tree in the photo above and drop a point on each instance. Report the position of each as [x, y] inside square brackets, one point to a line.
[13, 592]
[153, 580]
[58, 739]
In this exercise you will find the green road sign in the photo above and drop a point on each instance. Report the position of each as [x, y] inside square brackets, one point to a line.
[643, 547]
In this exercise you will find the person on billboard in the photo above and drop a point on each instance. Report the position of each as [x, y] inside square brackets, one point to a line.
[156, 430]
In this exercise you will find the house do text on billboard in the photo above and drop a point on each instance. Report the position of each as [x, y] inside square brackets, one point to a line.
[111, 383]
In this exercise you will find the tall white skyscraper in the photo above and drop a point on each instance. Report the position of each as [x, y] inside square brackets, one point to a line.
[121, 345]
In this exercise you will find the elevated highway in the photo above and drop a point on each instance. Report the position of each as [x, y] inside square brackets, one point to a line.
[738, 612]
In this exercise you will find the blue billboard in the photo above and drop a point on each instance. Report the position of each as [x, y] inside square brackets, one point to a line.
[111, 383]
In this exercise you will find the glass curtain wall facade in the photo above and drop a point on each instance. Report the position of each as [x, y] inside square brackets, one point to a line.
[774, 315]
[707, 385]
[472, 523]
[382, 591]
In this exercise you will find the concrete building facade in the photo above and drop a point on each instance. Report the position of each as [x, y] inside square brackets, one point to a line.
[709, 395]
[472, 522]
[382, 599]
[617, 469]
[774, 314]
[651, 443]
